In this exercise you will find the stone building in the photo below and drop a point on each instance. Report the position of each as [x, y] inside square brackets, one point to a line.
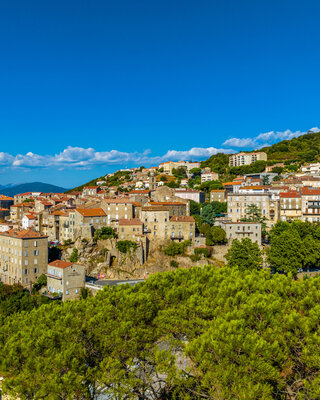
[116, 209]
[241, 230]
[23, 256]
[268, 203]
[130, 229]
[6, 202]
[218, 195]
[191, 194]
[65, 279]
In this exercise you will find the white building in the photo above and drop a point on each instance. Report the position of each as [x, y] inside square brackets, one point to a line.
[236, 160]
[209, 176]
[27, 221]
[311, 169]
[190, 194]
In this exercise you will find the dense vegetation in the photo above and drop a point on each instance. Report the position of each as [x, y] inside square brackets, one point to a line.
[294, 246]
[201, 333]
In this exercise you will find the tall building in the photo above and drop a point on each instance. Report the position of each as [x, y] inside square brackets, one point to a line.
[23, 256]
[236, 160]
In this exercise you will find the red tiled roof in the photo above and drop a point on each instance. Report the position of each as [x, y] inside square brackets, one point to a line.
[182, 218]
[288, 195]
[60, 264]
[91, 212]
[3, 197]
[166, 203]
[132, 221]
[22, 234]
[309, 192]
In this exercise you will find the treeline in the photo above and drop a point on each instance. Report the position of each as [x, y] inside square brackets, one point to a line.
[202, 333]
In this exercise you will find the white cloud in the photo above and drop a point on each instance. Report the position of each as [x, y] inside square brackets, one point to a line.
[81, 158]
[236, 142]
[264, 139]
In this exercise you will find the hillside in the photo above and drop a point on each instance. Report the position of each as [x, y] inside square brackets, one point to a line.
[32, 187]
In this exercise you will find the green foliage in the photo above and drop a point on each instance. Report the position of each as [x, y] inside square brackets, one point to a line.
[214, 235]
[218, 163]
[172, 184]
[41, 282]
[174, 264]
[202, 251]
[85, 293]
[163, 178]
[277, 170]
[207, 213]
[210, 185]
[256, 167]
[67, 242]
[125, 246]
[74, 256]
[195, 172]
[104, 233]
[245, 335]
[180, 172]
[254, 215]
[294, 245]
[244, 255]
[195, 257]
[14, 299]
[194, 208]
[174, 249]
[219, 207]
[305, 148]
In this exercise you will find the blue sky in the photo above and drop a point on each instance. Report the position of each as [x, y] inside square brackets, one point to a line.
[89, 86]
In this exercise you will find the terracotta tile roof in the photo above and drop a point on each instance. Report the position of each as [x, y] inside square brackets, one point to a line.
[310, 192]
[136, 204]
[58, 212]
[289, 195]
[231, 183]
[132, 221]
[30, 216]
[182, 218]
[155, 208]
[91, 187]
[166, 203]
[22, 234]
[60, 264]
[23, 194]
[27, 204]
[218, 190]
[91, 212]
[3, 197]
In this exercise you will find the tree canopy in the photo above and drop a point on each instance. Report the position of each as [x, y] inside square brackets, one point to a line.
[201, 333]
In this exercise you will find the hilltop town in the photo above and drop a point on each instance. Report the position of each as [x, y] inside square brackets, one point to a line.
[137, 221]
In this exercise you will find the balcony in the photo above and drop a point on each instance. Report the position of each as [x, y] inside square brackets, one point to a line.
[244, 232]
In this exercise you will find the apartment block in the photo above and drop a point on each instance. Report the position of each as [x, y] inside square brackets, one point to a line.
[236, 160]
[65, 279]
[268, 203]
[190, 194]
[290, 206]
[310, 204]
[209, 176]
[242, 230]
[23, 256]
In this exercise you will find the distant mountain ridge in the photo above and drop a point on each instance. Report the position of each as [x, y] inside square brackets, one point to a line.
[31, 187]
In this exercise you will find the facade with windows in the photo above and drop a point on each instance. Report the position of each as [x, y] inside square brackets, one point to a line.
[23, 256]
[65, 279]
[242, 230]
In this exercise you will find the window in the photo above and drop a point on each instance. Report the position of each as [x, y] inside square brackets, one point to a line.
[77, 290]
[26, 253]
[25, 244]
[67, 291]
[35, 244]
[26, 262]
[35, 261]
[26, 271]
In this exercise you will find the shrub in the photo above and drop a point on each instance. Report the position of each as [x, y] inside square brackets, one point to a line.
[67, 242]
[199, 251]
[124, 246]
[84, 240]
[74, 256]
[194, 257]
[175, 249]
[104, 233]
[174, 264]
